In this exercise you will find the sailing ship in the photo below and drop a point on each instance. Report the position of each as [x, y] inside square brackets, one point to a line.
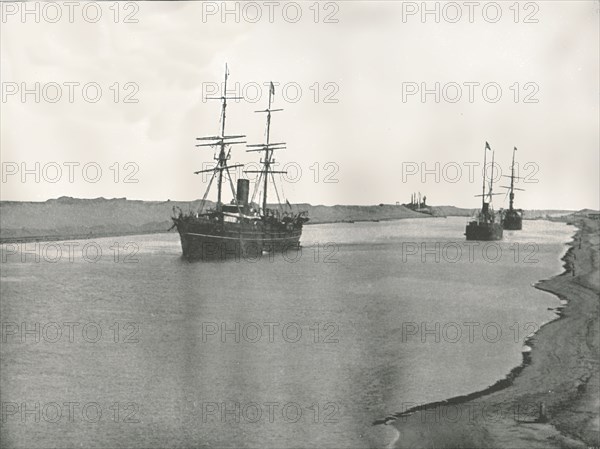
[512, 218]
[241, 228]
[486, 225]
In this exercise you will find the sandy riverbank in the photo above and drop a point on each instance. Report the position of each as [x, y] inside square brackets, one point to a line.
[76, 218]
[553, 399]
[69, 218]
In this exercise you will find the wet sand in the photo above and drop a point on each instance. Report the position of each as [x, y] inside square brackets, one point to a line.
[553, 399]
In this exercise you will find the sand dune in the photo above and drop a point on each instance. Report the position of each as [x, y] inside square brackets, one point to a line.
[67, 217]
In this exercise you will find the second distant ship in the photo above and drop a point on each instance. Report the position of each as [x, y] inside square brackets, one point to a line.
[512, 218]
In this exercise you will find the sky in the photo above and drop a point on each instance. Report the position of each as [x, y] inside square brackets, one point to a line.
[380, 100]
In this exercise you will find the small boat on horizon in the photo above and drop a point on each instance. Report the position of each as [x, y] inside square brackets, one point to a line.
[512, 219]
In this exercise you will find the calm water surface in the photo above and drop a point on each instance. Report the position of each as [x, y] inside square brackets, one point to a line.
[302, 351]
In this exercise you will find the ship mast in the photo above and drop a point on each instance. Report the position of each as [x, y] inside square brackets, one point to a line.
[268, 148]
[512, 187]
[487, 147]
[490, 193]
[491, 178]
[512, 181]
[268, 151]
[224, 143]
[222, 159]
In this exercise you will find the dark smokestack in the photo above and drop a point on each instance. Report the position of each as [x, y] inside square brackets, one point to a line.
[243, 189]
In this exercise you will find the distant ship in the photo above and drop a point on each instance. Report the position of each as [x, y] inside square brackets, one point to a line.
[512, 218]
[486, 225]
[240, 228]
[418, 205]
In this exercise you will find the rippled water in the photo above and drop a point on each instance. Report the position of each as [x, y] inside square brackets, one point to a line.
[305, 350]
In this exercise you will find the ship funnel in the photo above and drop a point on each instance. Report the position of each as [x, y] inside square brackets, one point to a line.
[243, 189]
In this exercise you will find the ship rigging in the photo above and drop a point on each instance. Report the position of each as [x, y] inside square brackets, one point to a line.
[239, 228]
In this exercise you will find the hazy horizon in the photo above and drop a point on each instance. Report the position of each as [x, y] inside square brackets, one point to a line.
[295, 203]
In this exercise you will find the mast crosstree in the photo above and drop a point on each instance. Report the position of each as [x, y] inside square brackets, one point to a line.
[490, 193]
[223, 143]
[268, 147]
[512, 188]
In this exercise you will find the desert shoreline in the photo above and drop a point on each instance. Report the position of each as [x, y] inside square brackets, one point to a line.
[550, 400]
[91, 235]
[68, 218]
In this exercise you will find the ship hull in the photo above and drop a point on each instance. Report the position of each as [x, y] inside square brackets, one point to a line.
[513, 221]
[210, 241]
[484, 231]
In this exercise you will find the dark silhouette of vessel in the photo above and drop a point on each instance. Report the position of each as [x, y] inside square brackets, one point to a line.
[418, 204]
[512, 219]
[486, 225]
[240, 228]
